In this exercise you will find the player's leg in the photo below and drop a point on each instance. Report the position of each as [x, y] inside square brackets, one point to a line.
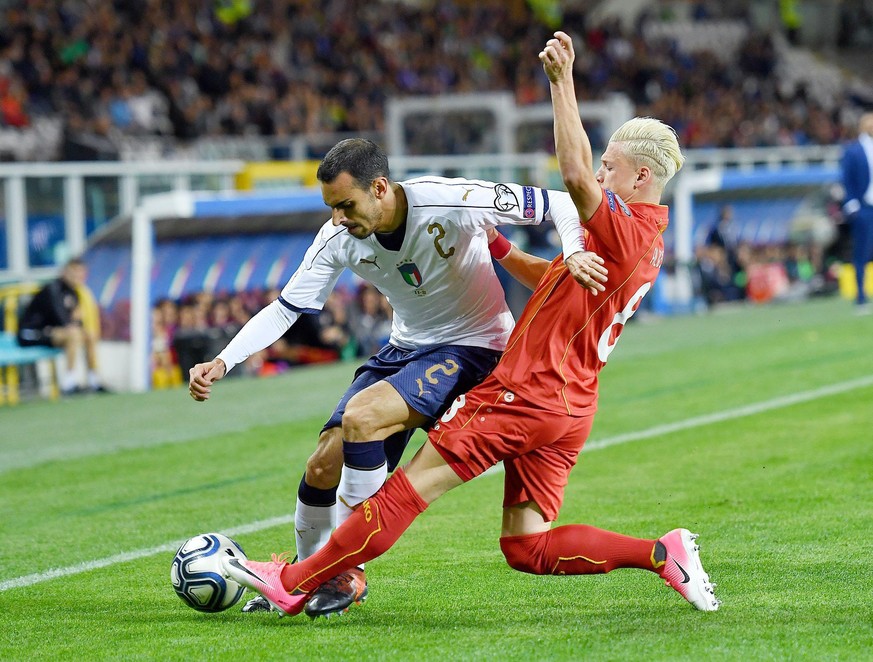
[381, 519]
[319, 498]
[534, 488]
[531, 545]
[316, 500]
[373, 415]
[315, 508]
[413, 396]
[377, 423]
[451, 456]
[316, 494]
[370, 531]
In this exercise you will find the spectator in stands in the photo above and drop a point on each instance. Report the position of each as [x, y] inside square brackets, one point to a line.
[723, 235]
[792, 20]
[64, 314]
[373, 321]
[222, 326]
[284, 70]
[240, 311]
[190, 339]
[13, 99]
[857, 174]
[801, 273]
[717, 283]
[335, 326]
[165, 370]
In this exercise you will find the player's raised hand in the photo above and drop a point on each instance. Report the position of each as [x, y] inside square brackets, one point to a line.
[202, 376]
[557, 57]
[587, 269]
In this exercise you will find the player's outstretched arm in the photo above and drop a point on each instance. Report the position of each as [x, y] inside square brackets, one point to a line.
[572, 146]
[586, 267]
[527, 269]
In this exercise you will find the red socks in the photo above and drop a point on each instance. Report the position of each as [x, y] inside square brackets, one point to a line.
[577, 549]
[370, 531]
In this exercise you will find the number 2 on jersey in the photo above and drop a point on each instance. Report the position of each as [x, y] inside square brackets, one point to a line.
[440, 234]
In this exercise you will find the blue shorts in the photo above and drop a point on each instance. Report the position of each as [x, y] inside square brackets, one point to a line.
[428, 380]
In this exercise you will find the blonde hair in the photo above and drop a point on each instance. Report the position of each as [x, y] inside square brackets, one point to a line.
[650, 142]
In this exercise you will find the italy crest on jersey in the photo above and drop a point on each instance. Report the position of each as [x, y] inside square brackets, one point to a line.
[410, 273]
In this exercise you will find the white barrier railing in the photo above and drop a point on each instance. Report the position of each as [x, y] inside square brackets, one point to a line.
[128, 178]
[533, 168]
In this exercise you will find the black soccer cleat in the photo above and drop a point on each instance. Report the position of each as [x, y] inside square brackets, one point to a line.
[257, 603]
[338, 594]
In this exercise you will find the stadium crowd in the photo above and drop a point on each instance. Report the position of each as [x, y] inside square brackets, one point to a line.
[197, 327]
[729, 268]
[192, 70]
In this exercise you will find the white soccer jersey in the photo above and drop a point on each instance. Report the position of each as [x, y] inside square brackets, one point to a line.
[441, 282]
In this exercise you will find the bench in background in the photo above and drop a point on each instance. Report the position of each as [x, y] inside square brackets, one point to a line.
[12, 355]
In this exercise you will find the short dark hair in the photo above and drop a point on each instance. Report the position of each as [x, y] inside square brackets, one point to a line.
[363, 159]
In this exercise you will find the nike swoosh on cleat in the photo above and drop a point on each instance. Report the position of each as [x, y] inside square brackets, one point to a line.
[685, 576]
[236, 564]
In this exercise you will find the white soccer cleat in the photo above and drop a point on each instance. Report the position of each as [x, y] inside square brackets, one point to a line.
[683, 572]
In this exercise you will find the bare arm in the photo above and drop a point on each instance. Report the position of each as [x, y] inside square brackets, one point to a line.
[572, 146]
[528, 269]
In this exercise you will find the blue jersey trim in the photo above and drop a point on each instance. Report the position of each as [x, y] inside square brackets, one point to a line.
[296, 309]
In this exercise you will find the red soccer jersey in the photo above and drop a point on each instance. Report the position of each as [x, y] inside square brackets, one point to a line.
[565, 334]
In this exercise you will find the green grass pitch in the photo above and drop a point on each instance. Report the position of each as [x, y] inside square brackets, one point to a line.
[753, 427]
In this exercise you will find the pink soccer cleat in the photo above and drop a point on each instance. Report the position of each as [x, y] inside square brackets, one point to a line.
[683, 571]
[266, 579]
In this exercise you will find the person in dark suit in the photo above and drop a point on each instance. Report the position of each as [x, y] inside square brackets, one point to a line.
[64, 314]
[857, 173]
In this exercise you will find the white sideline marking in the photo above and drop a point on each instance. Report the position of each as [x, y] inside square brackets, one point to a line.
[36, 578]
[730, 414]
[658, 430]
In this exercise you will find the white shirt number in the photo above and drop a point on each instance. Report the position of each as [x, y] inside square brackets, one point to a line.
[606, 344]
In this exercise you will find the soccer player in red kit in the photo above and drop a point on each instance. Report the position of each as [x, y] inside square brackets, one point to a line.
[535, 411]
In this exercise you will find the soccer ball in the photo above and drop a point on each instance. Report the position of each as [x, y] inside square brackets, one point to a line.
[197, 574]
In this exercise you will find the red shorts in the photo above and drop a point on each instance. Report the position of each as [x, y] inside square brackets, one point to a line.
[538, 447]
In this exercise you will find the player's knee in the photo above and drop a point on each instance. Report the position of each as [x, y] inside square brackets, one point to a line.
[360, 421]
[324, 467]
[526, 553]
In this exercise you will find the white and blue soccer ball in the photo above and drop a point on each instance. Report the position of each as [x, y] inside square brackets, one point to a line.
[197, 574]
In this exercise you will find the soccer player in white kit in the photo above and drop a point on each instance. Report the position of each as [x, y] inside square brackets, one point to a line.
[422, 243]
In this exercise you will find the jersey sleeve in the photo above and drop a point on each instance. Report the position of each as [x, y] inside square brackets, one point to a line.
[259, 332]
[309, 286]
[487, 204]
[305, 292]
[563, 214]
